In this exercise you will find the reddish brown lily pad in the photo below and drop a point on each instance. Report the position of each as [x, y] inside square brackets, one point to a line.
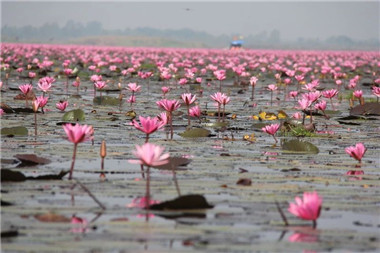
[51, 217]
[372, 108]
[31, 160]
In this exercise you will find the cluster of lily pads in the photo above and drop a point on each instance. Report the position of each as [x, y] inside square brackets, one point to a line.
[303, 77]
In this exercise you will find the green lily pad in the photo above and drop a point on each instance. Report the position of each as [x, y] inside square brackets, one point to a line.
[19, 131]
[196, 133]
[216, 124]
[74, 115]
[106, 100]
[297, 146]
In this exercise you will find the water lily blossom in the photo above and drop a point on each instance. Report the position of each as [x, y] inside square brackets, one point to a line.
[307, 208]
[62, 105]
[148, 125]
[271, 130]
[77, 134]
[357, 152]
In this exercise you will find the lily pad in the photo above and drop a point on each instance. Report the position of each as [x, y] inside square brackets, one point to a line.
[196, 133]
[107, 101]
[173, 163]
[372, 108]
[74, 115]
[297, 146]
[217, 124]
[17, 131]
[186, 202]
[51, 217]
[16, 176]
[31, 160]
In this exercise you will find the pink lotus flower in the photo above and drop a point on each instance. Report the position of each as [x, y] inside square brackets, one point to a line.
[321, 105]
[32, 75]
[62, 105]
[358, 93]
[330, 93]
[1, 112]
[376, 91]
[308, 208]
[271, 130]
[220, 74]
[35, 105]
[195, 111]
[188, 98]
[168, 105]
[253, 80]
[133, 87]
[198, 79]
[77, 134]
[297, 115]
[354, 172]
[272, 87]
[42, 102]
[25, 88]
[45, 83]
[67, 71]
[96, 78]
[182, 81]
[100, 84]
[357, 152]
[150, 155]
[293, 94]
[131, 99]
[148, 125]
[80, 225]
[165, 90]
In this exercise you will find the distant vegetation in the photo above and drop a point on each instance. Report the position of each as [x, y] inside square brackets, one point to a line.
[94, 34]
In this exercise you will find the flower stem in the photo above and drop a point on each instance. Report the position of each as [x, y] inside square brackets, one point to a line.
[314, 223]
[35, 124]
[147, 194]
[253, 92]
[171, 125]
[188, 116]
[73, 161]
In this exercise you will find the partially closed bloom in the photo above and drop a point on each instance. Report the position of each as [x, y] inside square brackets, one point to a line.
[308, 208]
[42, 101]
[195, 111]
[150, 155]
[253, 80]
[358, 93]
[62, 105]
[78, 133]
[25, 88]
[272, 87]
[188, 98]
[357, 152]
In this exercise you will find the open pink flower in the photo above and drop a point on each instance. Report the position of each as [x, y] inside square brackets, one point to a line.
[42, 101]
[357, 152]
[308, 208]
[220, 74]
[45, 83]
[100, 84]
[272, 87]
[133, 87]
[330, 93]
[62, 105]
[1, 112]
[358, 93]
[271, 130]
[376, 91]
[148, 125]
[253, 80]
[78, 133]
[168, 105]
[150, 155]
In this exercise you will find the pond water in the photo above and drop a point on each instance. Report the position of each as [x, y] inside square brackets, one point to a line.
[244, 218]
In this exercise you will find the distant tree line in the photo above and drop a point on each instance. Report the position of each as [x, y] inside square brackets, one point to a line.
[53, 33]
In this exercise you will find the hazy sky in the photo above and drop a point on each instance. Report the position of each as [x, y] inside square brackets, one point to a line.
[317, 19]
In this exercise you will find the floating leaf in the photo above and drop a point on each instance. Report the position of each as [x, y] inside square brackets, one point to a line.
[6, 203]
[174, 163]
[10, 233]
[106, 101]
[267, 116]
[297, 146]
[244, 181]
[16, 176]
[282, 115]
[196, 133]
[74, 115]
[216, 124]
[186, 202]
[31, 160]
[17, 131]
[372, 108]
[51, 217]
